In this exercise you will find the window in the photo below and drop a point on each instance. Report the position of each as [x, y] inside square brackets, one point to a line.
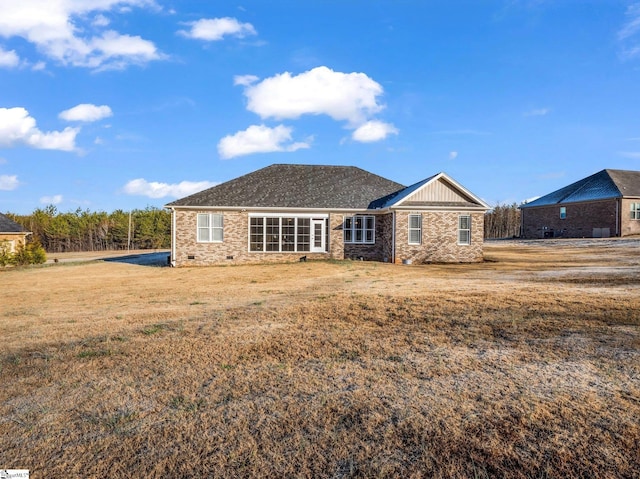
[563, 212]
[210, 228]
[415, 229]
[276, 234]
[635, 211]
[464, 229]
[8, 245]
[359, 229]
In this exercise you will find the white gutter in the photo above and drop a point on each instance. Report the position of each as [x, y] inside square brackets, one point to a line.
[278, 209]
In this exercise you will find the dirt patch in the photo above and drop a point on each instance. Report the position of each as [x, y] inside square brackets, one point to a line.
[523, 366]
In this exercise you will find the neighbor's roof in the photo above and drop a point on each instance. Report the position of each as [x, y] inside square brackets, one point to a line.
[296, 186]
[9, 226]
[605, 184]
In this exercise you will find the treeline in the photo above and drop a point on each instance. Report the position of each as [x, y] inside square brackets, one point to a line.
[83, 230]
[503, 221]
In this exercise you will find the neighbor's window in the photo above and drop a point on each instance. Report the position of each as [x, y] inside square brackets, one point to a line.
[464, 229]
[276, 234]
[210, 228]
[8, 245]
[635, 211]
[359, 229]
[563, 212]
[415, 229]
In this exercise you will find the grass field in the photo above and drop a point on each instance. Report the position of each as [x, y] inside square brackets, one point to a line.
[527, 365]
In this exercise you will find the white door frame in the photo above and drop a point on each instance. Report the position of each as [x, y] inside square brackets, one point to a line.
[315, 246]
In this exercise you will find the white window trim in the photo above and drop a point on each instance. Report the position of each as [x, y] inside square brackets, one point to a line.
[364, 229]
[563, 212]
[635, 211]
[410, 229]
[460, 230]
[210, 228]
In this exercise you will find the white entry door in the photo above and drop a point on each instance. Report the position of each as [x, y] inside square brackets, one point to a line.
[318, 236]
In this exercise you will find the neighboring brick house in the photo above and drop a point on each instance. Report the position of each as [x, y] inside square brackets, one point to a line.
[604, 204]
[286, 212]
[11, 233]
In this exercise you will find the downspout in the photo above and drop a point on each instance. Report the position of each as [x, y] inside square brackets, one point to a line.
[618, 217]
[393, 238]
[173, 237]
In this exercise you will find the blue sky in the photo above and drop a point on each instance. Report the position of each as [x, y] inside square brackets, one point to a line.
[108, 104]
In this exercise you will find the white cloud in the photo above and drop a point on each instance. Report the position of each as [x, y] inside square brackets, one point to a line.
[634, 155]
[8, 182]
[51, 200]
[374, 130]
[18, 127]
[351, 97]
[86, 112]
[9, 58]
[633, 22]
[259, 139]
[453, 155]
[214, 29]
[63, 31]
[628, 34]
[245, 80]
[537, 112]
[100, 21]
[153, 189]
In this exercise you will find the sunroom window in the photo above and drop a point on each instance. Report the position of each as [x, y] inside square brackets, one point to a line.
[279, 234]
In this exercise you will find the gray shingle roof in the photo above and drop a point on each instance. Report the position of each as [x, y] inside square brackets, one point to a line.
[296, 186]
[399, 195]
[9, 226]
[605, 184]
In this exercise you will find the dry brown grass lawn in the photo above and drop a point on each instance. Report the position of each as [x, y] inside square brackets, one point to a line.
[527, 365]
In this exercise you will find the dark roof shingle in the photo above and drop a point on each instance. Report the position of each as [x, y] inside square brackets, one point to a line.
[296, 186]
[7, 225]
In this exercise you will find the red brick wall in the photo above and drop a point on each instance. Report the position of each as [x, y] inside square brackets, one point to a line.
[581, 219]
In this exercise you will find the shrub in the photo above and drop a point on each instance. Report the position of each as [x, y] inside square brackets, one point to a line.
[37, 252]
[29, 253]
[5, 255]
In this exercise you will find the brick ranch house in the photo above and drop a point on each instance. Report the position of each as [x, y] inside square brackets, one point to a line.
[11, 233]
[604, 204]
[286, 212]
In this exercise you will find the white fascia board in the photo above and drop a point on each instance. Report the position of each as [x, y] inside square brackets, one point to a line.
[440, 208]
